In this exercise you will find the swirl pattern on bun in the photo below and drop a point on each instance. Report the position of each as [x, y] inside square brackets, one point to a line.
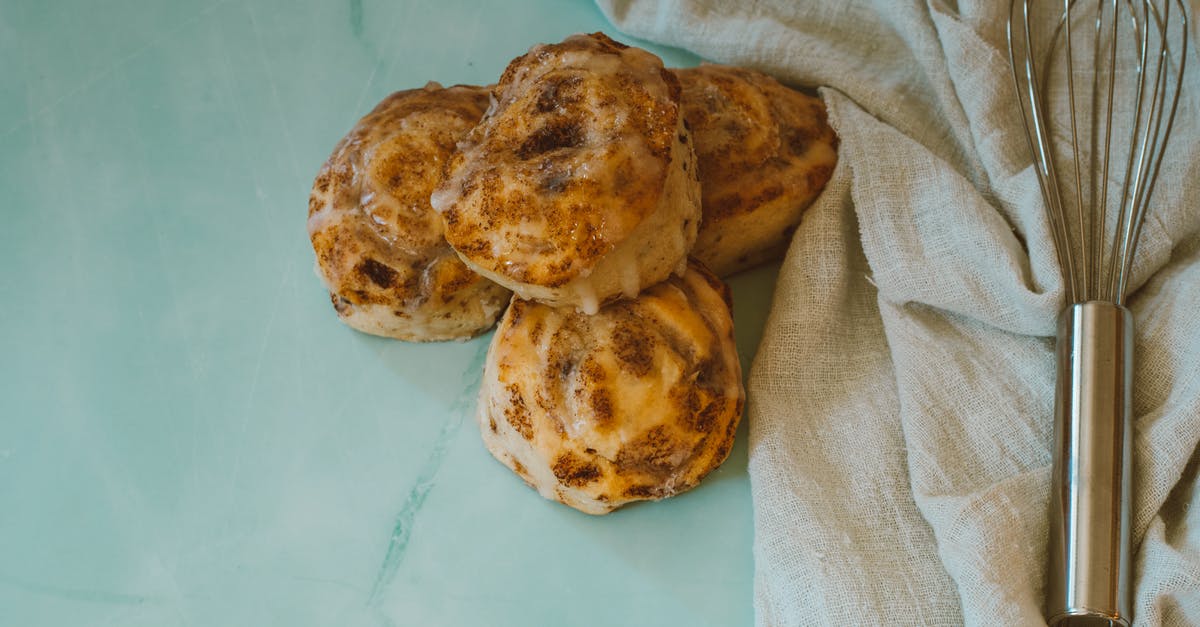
[579, 186]
[765, 152]
[639, 401]
[379, 244]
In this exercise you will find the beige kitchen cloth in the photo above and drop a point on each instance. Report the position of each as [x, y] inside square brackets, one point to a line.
[900, 403]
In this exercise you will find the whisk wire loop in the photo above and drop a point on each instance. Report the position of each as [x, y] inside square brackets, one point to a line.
[1158, 136]
[1084, 249]
[1095, 229]
[1099, 222]
[1035, 132]
[1133, 176]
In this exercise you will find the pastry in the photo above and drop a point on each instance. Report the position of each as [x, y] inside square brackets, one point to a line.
[639, 401]
[765, 152]
[579, 186]
[379, 244]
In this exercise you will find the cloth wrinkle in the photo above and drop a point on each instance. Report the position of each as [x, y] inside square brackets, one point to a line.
[900, 421]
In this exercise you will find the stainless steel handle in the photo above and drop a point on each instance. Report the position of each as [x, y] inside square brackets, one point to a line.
[1089, 577]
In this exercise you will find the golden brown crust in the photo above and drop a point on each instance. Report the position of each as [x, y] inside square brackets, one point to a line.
[639, 401]
[379, 245]
[765, 151]
[571, 158]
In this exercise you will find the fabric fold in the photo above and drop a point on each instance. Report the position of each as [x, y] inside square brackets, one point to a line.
[900, 421]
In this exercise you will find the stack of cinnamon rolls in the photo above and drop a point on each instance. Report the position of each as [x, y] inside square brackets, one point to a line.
[590, 200]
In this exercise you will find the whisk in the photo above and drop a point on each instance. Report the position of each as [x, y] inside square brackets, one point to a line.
[1098, 82]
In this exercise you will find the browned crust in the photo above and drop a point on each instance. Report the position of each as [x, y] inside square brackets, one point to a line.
[377, 239]
[570, 160]
[755, 139]
[594, 437]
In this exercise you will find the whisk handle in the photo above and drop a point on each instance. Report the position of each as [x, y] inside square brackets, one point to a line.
[1089, 581]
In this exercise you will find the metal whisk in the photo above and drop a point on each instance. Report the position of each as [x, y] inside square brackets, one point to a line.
[1098, 82]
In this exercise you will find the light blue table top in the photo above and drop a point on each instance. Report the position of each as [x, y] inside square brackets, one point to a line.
[188, 436]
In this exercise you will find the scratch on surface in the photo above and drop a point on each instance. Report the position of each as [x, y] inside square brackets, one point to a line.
[356, 17]
[278, 104]
[405, 519]
[378, 61]
[243, 130]
[75, 594]
[266, 337]
[165, 35]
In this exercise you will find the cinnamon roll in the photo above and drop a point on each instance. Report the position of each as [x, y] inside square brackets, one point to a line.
[379, 245]
[765, 152]
[639, 401]
[580, 184]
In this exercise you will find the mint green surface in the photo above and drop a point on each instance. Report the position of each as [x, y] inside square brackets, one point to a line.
[188, 436]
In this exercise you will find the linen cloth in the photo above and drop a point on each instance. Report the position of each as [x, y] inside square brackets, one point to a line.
[901, 400]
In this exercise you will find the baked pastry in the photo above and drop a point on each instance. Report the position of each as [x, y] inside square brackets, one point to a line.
[379, 244]
[639, 401]
[579, 185]
[765, 152]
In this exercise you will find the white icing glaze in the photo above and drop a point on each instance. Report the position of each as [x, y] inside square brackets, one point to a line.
[631, 279]
[588, 302]
[444, 197]
[321, 219]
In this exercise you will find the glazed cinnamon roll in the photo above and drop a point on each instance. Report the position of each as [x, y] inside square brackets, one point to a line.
[579, 185]
[765, 152]
[639, 401]
[379, 245]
